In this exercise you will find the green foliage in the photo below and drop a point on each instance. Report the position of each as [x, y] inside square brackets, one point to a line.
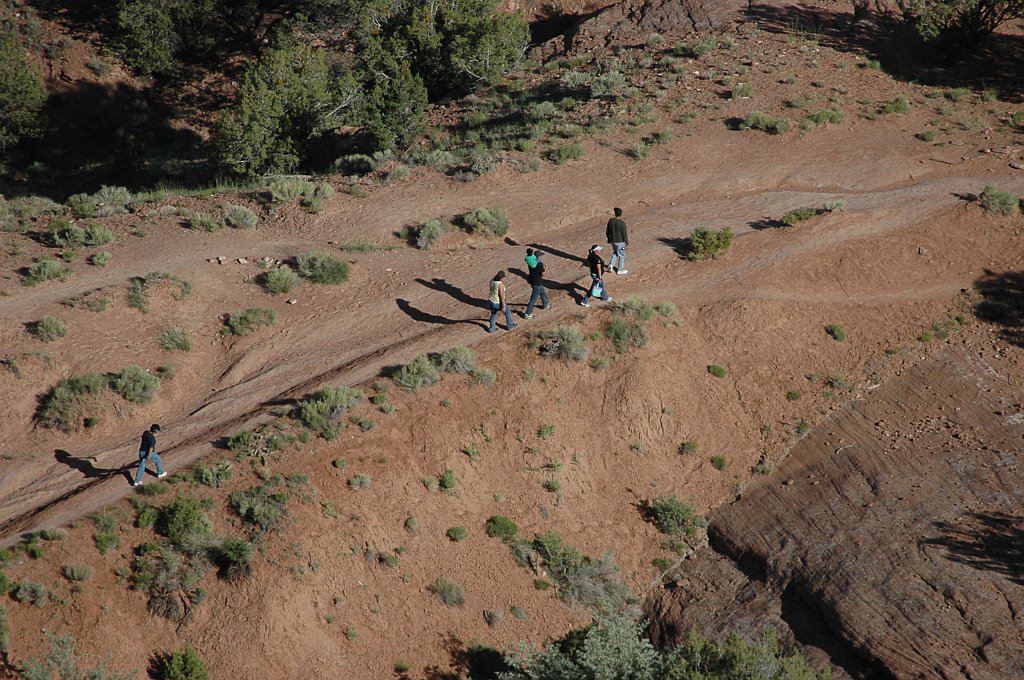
[184, 523]
[718, 462]
[62, 662]
[138, 294]
[798, 215]
[245, 322]
[265, 505]
[184, 664]
[500, 526]
[483, 376]
[239, 217]
[420, 372]
[5, 630]
[135, 384]
[176, 340]
[998, 202]
[62, 234]
[77, 572]
[608, 84]
[705, 243]
[322, 267]
[323, 411]
[45, 269]
[673, 517]
[457, 360]
[624, 334]
[205, 222]
[898, 105]
[716, 370]
[594, 583]
[280, 280]
[22, 94]
[489, 221]
[427, 234]
[836, 331]
[457, 534]
[447, 481]
[449, 592]
[233, 558]
[794, 395]
[758, 120]
[567, 152]
[564, 342]
[112, 200]
[48, 328]
[287, 100]
[65, 405]
[213, 475]
[97, 235]
[959, 26]
[360, 481]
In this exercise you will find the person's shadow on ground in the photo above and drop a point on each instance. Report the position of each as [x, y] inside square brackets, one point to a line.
[419, 315]
[454, 291]
[86, 465]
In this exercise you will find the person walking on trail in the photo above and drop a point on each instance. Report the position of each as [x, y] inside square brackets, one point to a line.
[618, 237]
[498, 298]
[536, 278]
[147, 453]
[597, 271]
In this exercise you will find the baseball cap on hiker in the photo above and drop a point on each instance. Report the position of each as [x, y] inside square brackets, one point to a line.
[596, 247]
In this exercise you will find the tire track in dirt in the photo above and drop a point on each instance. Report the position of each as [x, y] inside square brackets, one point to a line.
[249, 396]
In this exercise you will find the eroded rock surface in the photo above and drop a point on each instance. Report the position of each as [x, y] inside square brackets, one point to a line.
[892, 537]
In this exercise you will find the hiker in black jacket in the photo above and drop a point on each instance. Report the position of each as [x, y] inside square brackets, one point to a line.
[619, 239]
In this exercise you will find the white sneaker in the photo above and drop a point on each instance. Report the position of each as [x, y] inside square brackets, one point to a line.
[622, 271]
[136, 483]
[584, 303]
[161, 475]
[527, 316]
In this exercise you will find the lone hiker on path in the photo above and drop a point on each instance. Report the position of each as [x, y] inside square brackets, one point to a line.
[536, 278]
[147, 452]
[597, 271]
[619, 239]
[499, 302]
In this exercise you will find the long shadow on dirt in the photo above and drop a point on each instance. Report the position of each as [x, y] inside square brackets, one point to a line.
[86, 465]
[462, 296]
[998, 65]
[419, 315]
[990, 541]
[1002, 303]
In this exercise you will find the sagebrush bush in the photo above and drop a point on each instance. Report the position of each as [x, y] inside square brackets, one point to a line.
[184, 664]
[483, 376]
[716, 370]
[62, 234]
[214, 474]
[112, 200]
[233, 558]
[245, 322]
[176, 340]
[457, 534]
[673, 517]
[97, 235]
[608, 84]
[500, 526]
[898, 105]
[323, 411]
[624, 334]
[491, 221]
[457, 360]
[45, 269]
[239, 217]
[705, 243]
[281, 280]
[998, 202]
[322, 267]
[798, 215]
[758, 120]
[135, 384]
[265, 505]
[449, 592]
[205, 222]
[427, 234]
[594, 583]
[64, 406]
[567, 152]
[77, 572]
[184, 523]
[836, 331]
[101, 259]
[420, 372]
[564, 342]
[48, 328]
[81, 205]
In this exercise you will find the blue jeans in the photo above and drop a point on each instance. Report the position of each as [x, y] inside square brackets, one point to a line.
[143, 459]
[495, 308]
[538, 292]
[604, 291]
[618, 253]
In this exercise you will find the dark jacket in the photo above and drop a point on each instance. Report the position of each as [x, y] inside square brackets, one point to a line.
[596, 264]
[536, 274]
[616, 231]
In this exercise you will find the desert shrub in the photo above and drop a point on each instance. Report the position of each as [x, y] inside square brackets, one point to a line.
[81, 205]
[449, 592]
[718, 462]
[62, 661]
[624, 334]
[112, 200]
[205, 222]
[22, 94]
[173, 585]
[898, 105]
[716, 370]
[233, 558]
[285, 189]
[97, 235]
[798, 215]
[45, 269]
[673, 517]
[62, 234]
[184, 664]
[101, 259]
[33, 593]
[998, 202]
[457, 534]
[608, 84]
[146, 516]
[5, 630]
[53, 534]
[741, 90]
[212, 475]
[77, 572]
[420, 372]
[705, 243]
[483, 376]
[823, 117]
[106, 541]
[958, 27]
[594, 583]
[64, 405]
[360, 481]
[491, 221]
[321, 267]
[836, 331]
[564, 342]
[48, 328]
[427, 234]
[176, 340]
[184, 523]
[640, 150]
[280, 280]
[926, 135]
[457, 360]
[265, 505]
[323, 411]
[138, 294]
[500, 526]
[447, 481]
[758, 120]
[135, 384]
[794, 395]
[245, 322]
[567, 152]
[661, 136]
[239, 217]
[833, 205]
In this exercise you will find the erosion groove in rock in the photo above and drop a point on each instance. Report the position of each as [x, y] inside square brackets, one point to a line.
[897, 522]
